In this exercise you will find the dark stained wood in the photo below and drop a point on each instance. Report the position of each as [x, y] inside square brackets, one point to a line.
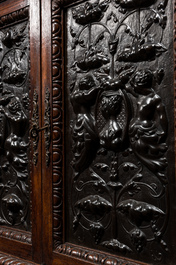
[11, 259]
[13, 247]
[101, 126]
[78, 168]
[15, 241]
[35, 49]
[47, 239]
[9, 6]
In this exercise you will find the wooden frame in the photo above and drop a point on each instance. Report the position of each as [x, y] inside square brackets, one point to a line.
[26, 245]
[46, 243]
[63, 252]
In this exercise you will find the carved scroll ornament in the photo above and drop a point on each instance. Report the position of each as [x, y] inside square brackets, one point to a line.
[14, 124]
[118, 126]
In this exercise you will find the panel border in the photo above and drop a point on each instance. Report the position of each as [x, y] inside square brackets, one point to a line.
[63, 252]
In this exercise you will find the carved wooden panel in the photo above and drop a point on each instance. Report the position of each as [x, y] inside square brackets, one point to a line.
[119, 128]
[14, 120]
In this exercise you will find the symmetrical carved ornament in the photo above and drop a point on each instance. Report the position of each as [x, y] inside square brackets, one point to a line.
[14, 120]
[117, 127]
[57, 119]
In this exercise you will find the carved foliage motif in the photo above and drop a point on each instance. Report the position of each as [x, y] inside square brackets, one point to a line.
[118, 166]
[14, 116]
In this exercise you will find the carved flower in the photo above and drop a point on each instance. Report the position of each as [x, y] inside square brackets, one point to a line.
[94, 204]
[89, 12]
[139, 211]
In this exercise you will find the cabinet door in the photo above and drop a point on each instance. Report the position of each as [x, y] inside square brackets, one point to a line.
[112, 174]
[20, 119]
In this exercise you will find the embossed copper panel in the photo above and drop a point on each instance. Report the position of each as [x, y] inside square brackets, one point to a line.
[14, 125]
[120, 128]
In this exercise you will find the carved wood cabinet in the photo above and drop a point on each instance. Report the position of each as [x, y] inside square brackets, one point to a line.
[87, 132]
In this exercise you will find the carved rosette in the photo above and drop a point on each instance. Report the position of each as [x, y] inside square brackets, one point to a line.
[117, 127]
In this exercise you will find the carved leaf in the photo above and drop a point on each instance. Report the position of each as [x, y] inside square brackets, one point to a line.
[140, 51]
[133, 188]
[99, 183]
[89, 12]
[102, 166]
[139, 212]
[116, 245]
[94, 204]
[129, 166]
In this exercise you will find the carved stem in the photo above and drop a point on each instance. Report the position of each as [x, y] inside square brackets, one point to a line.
[138, 22]
[114, 217]
[112, 67]
[90, 41]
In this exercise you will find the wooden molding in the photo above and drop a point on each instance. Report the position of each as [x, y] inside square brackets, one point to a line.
[10, 260]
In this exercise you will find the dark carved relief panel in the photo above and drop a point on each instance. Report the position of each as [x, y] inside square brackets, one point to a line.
[119, 100]
[14, 126]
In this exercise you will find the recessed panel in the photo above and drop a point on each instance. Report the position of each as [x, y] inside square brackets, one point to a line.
[14, 124]
[120, 127]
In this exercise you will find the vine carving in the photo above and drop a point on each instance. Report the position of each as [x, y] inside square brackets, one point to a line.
[118, 126]
[14, 120]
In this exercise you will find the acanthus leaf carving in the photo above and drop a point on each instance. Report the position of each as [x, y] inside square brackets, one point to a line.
[119, 125]
[14, 119]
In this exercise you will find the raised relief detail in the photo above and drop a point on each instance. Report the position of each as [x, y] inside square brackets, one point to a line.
[47, 121]
[14, 120]
[117, 145]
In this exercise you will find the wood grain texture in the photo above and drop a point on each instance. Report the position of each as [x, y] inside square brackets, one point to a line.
[36, 174]
[10, 260]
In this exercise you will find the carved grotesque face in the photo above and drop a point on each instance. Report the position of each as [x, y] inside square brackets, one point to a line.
[142, 81]
[86, 83]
